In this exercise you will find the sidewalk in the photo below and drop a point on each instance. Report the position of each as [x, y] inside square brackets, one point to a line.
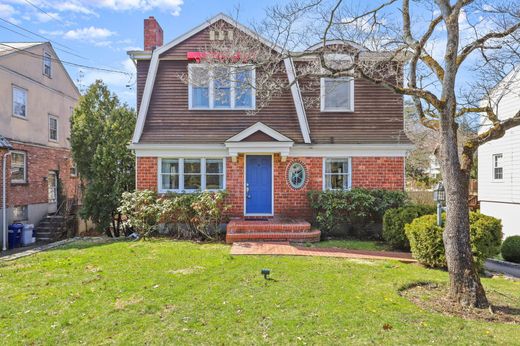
[284, 248]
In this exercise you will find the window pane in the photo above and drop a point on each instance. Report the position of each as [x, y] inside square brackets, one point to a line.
[222, 88]
[243, 89]
[337, 94]
[214, 182]
[192, 166]
[336, 182]
[47, 64]
[53, 128]
[214, 166]
[17, 167]
[19, 102]
[336, 166]
[192, 182]
[170, 166]
[170, 182]
[199, 79]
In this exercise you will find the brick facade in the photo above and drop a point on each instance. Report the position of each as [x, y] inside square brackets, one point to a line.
[146, 173]
[367, 172]
[41, 160]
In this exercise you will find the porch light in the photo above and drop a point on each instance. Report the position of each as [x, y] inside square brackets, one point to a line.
[439, 193]
[439, 196]
[265, 273]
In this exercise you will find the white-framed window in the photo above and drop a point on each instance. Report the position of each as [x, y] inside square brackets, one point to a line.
[191, 174]
[337, 174]
[337, 94]
[19, 102]
[18, 167]
[53, 128]
[221, 87]
[47, 64]
[498, 167]
[20, 213]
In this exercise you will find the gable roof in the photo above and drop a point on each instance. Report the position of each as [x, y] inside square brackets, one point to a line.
[154, 64]
[7, 48]
[259, 126]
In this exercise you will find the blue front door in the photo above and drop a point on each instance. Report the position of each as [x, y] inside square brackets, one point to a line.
[259, 181]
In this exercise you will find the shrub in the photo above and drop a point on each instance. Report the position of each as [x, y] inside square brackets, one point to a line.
[357, 212]
[192, 216]
[511, 249]
[428, 248]
[140, 210]
[394, 221]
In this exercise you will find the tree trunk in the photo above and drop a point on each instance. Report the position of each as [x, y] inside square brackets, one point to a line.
[465, 285]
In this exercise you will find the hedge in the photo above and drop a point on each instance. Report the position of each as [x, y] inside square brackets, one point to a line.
[395, 219]
[511, 249]
[428, 248]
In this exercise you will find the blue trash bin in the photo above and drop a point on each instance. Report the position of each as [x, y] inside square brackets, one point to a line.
[14, 238]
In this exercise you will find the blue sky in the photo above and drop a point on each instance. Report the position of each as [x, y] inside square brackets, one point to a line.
[101, 31]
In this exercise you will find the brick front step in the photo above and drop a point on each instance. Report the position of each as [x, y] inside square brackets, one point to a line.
[302, 236]
[268, 226]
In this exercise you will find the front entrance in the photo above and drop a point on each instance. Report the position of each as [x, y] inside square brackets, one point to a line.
[259, 185]
[52, 188]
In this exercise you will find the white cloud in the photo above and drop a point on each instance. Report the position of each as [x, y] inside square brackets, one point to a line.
[74, 6]
[7, 12]
[44, 18]
[89, 34]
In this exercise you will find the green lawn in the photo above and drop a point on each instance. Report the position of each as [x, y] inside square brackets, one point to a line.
[352, 244]
[165, 292]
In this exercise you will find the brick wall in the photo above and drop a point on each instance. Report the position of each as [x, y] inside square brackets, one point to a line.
[378, 172]
[367, 172]
[146, 171]
[41, 160]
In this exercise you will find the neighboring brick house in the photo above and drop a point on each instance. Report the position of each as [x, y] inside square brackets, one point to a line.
[39, 99]
[186, 140]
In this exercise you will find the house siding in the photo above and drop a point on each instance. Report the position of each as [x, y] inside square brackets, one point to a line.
[501, 198]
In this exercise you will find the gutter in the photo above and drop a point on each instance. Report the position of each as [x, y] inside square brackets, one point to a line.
[4, 201]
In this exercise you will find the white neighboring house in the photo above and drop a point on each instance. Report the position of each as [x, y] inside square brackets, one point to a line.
[499, 162]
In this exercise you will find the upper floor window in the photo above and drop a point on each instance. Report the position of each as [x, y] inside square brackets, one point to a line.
[53, 128]
[498, 167]
[47, 64]
[337, 94]
[18, 167]
[19, 102]
[221, 87]
[337, 174]
[191, 174]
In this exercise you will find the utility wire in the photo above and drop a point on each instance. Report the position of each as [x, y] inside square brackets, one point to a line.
[39, 56]
[41, 36]
[45, 12]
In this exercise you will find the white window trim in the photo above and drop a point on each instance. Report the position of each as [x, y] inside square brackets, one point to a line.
[349, 174]
[74, 166]
[45, 53]
[26, 101]
[181, 174]
[24, 180]
[322, 95]
[57, 128]
[493, 167]
[211, 90]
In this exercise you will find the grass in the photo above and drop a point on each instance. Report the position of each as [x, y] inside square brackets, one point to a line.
[166, 292]
[352, 244]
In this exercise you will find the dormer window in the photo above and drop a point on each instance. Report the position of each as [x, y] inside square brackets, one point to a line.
[221, 87]
[337, 94]
[47, 64]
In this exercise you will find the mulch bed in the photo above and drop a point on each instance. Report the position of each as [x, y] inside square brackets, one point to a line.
[433, 297]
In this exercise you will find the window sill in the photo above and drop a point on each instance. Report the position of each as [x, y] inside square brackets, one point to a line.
[337, 111]
[221, 109]
[20, 117]
[19, 183]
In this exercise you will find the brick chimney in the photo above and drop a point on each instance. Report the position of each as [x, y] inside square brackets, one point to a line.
[153, 34]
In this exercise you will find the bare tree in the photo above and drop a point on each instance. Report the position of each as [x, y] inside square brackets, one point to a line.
[424, 50]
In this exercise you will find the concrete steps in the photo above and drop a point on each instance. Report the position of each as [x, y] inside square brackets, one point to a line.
[50, 228]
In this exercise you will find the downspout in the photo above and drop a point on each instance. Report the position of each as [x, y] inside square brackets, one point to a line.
[4, 201]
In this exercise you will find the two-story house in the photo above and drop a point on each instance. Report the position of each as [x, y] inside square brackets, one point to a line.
[38, 99]
[499, 161]
[186, 139]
